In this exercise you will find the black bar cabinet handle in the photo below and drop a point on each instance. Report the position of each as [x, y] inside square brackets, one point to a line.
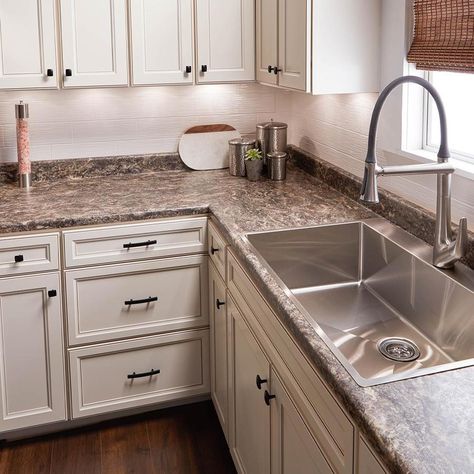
[270, 69]
[132, 245]
[268, 397]
[68, 72]
[19, 258]
[276, 70]
[219, 303]
[259, 381]
[50, 73]
[214, 250]
[134, 375]
[151, 299]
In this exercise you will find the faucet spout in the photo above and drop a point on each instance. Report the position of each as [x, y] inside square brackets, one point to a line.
[446, 251]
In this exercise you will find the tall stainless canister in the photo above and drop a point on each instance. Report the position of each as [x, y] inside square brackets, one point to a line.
[237, 150]
[271, 137]
[262, 139]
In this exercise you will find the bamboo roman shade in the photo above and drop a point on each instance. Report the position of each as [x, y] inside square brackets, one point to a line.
[444, 35]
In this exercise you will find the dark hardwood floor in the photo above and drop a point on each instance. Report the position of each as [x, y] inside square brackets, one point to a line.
[182, 440]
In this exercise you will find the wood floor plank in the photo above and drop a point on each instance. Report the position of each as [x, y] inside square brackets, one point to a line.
[31, 457]
[126, 449]
[77, 453]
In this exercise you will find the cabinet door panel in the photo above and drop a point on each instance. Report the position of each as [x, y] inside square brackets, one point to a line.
[267, 40]
[225, 40]
[219, 359]
[31, 349]
[293, 43]
[94, 38]
[293, 447]
[162, 41]
[250, 437]
[27, 44]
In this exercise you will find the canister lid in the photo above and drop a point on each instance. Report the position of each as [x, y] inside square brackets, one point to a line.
[242, 141]
[277, 155]
[22, 110]
[277, 125]
[263, 125]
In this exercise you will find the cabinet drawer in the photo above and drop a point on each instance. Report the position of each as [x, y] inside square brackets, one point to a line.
[31, 254]
[217, 247]
[101, 375]
[131, 242]
[136, 299]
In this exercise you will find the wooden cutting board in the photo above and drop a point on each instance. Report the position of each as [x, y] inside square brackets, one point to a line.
[206, 147]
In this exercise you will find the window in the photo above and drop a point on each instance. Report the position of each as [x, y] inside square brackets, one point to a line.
[457, 92]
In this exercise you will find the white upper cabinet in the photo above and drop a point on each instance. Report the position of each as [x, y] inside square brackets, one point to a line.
[267, 41]
[225, 35]
[161, 41]
[27, 44]
[94, 42]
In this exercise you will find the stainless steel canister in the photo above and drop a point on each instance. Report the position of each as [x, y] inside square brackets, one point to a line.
[238, 147]
[271, 137]
[262, 139]
[277, 165]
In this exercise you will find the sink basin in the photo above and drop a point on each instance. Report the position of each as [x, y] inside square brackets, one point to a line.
[370, 292]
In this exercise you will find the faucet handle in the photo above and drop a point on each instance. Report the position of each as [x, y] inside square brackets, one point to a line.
[462, 239]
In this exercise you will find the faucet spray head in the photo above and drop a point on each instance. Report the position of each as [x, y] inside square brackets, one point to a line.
[369, 191]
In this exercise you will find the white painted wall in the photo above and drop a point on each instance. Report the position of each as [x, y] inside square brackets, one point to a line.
[101, 122]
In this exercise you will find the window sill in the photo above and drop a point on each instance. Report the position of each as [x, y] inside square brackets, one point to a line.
[464, 169]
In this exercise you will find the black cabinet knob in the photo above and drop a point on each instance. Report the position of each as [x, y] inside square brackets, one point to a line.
[50, 73]
[204, 68]
[219, 304]
[52, 293]
[68, 72]
[267, 397]
[276, 70]
[19, 258]
[270, 69]
[259, 381]
[189, 69]
[214, 250]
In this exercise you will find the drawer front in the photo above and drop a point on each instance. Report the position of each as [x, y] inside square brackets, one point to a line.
[136, 299]
[131, 242]
[30, 254]
[101, 375]
[217, 247]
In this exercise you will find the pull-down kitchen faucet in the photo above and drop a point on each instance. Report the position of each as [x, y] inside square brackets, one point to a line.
[446, 251]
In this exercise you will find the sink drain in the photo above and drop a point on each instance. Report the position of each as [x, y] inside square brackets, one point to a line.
[399, 349]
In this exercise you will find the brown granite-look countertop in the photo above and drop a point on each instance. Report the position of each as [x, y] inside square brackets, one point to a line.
[421, 425]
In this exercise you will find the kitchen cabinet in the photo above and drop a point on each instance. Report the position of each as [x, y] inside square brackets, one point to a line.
[368, 461]
[293, 447]
[94, 43]
[161, 41]
[250, 379]
[28, 44]
[284, 43]
[218, 349]
[225, 41]
[32, 384]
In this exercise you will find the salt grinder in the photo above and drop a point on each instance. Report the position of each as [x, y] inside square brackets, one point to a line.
[23, 144]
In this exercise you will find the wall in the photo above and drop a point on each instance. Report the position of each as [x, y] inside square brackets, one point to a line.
[101, 122]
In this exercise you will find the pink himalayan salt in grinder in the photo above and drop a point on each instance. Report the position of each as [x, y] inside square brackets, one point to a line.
[23, 144]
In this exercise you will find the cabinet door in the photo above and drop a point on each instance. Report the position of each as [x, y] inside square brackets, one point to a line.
[225, 40]
[31, 349]
[293, 447]
[250, 425]
[94, 41]
[27, 44]
[219, 359]
[293, 48]
[162, 41]
[267, 40]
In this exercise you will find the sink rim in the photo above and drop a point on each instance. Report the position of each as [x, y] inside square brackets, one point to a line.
[420, 250]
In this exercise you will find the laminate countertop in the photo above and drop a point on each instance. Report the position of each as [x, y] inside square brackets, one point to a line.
[421, 425]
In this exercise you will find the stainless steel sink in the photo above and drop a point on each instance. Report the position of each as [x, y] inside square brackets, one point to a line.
[370, 292]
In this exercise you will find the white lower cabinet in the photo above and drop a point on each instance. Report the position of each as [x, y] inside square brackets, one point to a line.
[32, 384]
[129, 374]
[249, 382]
[293, 447]
[219, 355]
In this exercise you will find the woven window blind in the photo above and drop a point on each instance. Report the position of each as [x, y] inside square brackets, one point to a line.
[444, 35]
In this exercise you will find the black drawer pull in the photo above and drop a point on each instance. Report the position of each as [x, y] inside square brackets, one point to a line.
[19, 258]
[268, 397]
[219, 303]
[270, 69]
[134, 245]
[214, 250]
[151, 299]
[145, 374]
[259, 381]
[276, 70]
